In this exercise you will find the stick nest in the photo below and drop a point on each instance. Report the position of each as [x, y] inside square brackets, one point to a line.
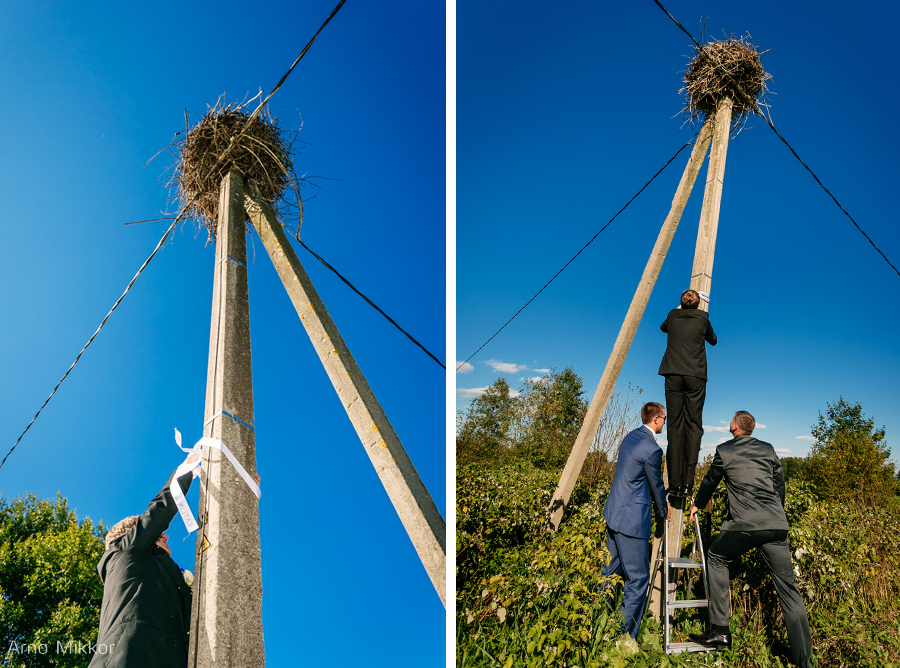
[726, 68]
[256, 147]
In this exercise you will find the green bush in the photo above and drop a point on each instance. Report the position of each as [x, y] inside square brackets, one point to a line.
[530, 598]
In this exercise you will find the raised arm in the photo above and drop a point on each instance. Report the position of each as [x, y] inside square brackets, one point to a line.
[778, 475]
[155, 520]
[711, 337]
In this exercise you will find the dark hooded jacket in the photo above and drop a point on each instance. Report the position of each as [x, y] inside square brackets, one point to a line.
[146, 612]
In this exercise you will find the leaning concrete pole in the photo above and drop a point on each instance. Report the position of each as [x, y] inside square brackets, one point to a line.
[701, 274]
[413, 503]
[701, 280]
[226, 619]
[626, 333]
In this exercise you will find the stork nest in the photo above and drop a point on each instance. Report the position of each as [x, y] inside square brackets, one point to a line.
[727, 68]
[255, 147]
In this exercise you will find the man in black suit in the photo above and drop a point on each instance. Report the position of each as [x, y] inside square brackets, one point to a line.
[755, 483]
[146, 611]
[684, 368]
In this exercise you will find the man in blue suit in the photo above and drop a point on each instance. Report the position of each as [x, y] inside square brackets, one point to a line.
[638, 480]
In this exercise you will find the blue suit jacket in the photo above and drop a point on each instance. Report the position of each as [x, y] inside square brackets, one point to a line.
[638, 479]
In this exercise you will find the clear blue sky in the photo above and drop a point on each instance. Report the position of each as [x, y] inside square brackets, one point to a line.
[565, 111]
[92, 91]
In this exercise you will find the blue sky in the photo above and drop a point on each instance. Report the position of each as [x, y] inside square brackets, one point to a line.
[564, 112]
[96, 89]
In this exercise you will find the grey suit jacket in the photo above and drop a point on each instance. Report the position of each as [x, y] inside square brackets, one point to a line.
[755, 483]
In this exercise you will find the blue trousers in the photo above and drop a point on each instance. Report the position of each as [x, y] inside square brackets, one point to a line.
[630, 560]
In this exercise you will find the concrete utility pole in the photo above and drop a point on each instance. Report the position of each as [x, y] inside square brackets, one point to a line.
[413, 503]
[701, 274]
[226, 619]
[701, 280]
[626, 333]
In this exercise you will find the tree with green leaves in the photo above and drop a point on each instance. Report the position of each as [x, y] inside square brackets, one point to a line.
[484, 428]
[552, 411]
[849, 459]
[49, 588]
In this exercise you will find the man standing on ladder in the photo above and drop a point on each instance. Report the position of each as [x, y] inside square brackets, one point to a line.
[684, 368]
[755, 483]
[637, 481]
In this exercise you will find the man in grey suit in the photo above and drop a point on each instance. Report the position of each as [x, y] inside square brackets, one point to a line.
[755, 483]
[638, 479]
[684, 368]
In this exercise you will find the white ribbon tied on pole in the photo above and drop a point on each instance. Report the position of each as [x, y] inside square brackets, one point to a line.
[194, 467]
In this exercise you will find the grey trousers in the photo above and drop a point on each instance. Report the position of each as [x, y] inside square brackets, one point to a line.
[730, 545]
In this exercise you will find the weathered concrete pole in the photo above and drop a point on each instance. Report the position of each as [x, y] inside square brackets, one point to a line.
[226, 619]
[701, 274]
[701, 280]
[413, 503]
[626, 333]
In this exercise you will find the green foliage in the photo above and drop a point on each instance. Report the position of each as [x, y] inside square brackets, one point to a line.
[483, 431]
[553, 408]
[530, 598]
[793, 467]
[849, 460]
[49, 587]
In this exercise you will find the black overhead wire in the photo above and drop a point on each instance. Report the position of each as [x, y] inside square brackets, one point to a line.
[159, 245]
[752, 103]
[583, 248]
[370, 302]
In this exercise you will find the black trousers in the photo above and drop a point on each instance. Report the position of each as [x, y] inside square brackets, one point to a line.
[730, 545]
[685, 396]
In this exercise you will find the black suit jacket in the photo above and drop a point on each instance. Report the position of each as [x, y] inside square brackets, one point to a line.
[755, 483]
[146, 610]
[685, 347]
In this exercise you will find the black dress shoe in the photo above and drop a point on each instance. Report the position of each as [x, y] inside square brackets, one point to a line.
[713, 638]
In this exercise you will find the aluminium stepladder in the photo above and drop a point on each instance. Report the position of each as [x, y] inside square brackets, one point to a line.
[670, 604]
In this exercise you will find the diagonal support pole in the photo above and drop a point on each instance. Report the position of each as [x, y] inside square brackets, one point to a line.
[413, 503]
[626, 333]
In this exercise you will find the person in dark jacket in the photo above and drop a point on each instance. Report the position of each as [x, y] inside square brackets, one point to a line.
[684, 368]
[637, 481]
[755, 483]
[146, 611]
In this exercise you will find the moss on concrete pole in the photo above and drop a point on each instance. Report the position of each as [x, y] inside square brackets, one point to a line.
[414, 505]
[226, 619]
[626, 333]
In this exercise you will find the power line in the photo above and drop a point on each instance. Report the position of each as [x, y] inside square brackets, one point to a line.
[653, 178]
[94, 335]
[178, 218]
[752, 103]
[371, 303]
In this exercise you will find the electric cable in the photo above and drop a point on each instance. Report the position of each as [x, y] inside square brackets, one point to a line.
[652, 179]
[371, 303]
[752, 103]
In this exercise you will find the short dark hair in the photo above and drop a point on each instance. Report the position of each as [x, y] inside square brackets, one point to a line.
[745, 422]
[650, 410]
[690, 299]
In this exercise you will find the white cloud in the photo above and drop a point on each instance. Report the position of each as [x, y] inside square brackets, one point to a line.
[472, 392]
[761, 426]
[722, 440]
[504, 367]
[808, 439]
[782, 451]
[543, 370]
[721, 430]
[534, 379]
[662, 442]
[465, 368]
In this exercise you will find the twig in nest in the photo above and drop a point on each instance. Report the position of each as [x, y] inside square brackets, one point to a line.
[727, 68]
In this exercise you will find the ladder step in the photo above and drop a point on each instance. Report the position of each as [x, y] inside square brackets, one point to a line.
[693, 603]
[678, 647]
[681, 562]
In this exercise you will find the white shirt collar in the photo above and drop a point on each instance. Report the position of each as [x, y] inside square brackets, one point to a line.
[652, 433]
